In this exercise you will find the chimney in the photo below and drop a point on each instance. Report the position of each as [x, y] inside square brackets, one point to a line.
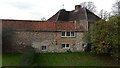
[77, 7]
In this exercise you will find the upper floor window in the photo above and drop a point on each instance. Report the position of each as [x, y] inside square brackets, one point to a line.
[68, 34]
[63, 33]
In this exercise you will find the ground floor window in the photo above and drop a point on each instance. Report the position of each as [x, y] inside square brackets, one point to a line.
[44, 48]
[65, 46]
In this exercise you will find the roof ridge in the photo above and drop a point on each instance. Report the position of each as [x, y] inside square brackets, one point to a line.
[58, 15]
[92, 13]
[23, 20]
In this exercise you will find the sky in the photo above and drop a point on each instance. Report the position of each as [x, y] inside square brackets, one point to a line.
[37, 9]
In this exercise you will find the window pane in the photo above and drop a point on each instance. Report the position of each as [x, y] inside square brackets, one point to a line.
[63, 33]
[67, 45]
[68, 34]
[63, 45]
[43, 47]
[72, 34]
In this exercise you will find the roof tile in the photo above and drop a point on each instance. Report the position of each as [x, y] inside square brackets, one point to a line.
[38, 25]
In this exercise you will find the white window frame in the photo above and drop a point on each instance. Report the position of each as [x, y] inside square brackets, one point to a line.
[65, 46]
[44, 49]
[66, 34]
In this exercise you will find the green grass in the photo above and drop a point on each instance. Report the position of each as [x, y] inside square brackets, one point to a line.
[63, 59]
[72, 59]
[0, 60]
[11, 59]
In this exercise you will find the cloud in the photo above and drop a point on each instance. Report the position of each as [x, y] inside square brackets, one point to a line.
[37, 9]
[20, 4]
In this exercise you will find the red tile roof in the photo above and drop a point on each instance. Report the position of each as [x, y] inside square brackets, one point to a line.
[38, 25]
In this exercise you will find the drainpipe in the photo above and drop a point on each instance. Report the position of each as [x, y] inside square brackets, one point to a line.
[86, 19]
[75, 24]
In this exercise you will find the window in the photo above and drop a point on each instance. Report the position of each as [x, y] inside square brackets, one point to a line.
[63, 33]
[72, 34]
[65, 46]
[43, 48]
[68, 34]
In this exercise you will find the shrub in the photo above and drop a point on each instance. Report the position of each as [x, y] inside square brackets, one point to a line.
[88, 48]
[104, 36]
[7, 39]
[28, 56]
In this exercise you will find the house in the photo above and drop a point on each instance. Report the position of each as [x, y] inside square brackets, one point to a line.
[79, 15]
[60, 33]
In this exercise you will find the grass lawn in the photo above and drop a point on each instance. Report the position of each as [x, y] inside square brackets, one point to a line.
[63, 59]
[0, 60]
[10, 59]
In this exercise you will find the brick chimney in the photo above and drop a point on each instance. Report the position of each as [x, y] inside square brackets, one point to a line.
[77, 7]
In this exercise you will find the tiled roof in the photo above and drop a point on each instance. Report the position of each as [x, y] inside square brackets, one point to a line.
[38, 25]
[74, 15]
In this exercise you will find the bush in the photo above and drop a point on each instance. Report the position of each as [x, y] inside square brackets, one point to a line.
[88, 48]
[28, 56]
[7, 39]
[116, 52]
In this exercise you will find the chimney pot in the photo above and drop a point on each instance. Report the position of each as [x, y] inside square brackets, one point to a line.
[77, 7]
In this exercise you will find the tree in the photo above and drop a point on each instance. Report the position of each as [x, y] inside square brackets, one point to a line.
[43, 19]
[89, 5]
[104, 14]
[115, 39]
[87, 40]
[104, 36]
[87, 37]
[116, 8]
[98, 38]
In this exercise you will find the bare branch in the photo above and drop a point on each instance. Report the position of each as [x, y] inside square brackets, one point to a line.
[89, 5]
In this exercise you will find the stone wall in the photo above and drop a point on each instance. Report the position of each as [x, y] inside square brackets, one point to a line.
[52, 40]
[75, 42]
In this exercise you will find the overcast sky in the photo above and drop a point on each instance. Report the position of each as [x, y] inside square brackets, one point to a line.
[37, 9]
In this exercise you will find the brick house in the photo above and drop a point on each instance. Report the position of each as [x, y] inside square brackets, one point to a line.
[60, 33]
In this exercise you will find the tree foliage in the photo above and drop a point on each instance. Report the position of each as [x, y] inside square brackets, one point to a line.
[98, 37]
[89, 5]
[104, 36]
[43, 19]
